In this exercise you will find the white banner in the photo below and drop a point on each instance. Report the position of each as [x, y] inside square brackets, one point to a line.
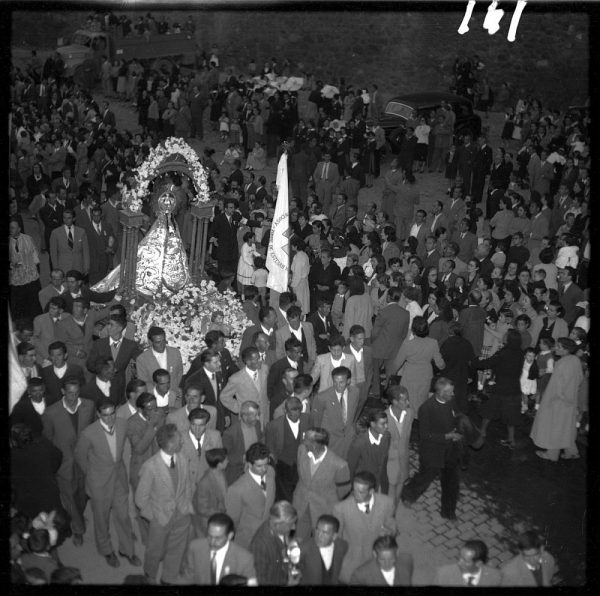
[18, 382]
[278, 255]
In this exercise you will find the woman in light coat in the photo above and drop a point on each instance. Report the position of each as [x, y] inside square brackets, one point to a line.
[300, 270]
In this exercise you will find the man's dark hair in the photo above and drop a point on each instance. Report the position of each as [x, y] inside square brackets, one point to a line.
[528, 540]
[199, 414]
[294, 312]
[248, 353]
[57, 345]
[386, 542]
[207, 355]
[222, 520]
[257, 451]
[366, 478]
[292, 342]
[478, 548]
[154, 331]
[341, 370]
[302, 382]
[329, 520]
[143, 399]
[215, 456]
[165, 434]
[264, 311]
[24, 347]
[160, 372]
[134, 385]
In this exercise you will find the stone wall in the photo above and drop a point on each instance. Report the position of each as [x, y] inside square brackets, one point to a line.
[399, 51]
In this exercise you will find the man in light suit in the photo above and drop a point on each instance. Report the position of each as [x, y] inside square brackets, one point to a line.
[335, 358]
[389, 331]
[250, 498]
[470, 570]
[159, 355]
[45, 329]
[323, 480]
[388, 567]
[69, 247]
[532, 567]
[118, 348]
[326, 178]
[418, 229]
[193, 398]
[249, 384]
[283, 436]
[56, 287]
[456, 210]
[363, 357]
[99, 454]
[302, 331]
[400, 419]
[431, 255]
[230, 558]
[317, 566]
[60, 430]
[465, 240]
[437, 218]
[196, 441]
[364, 516]
[244, 431]
[334, 410]
[164, 497]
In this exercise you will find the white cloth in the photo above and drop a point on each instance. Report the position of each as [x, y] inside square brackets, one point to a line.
[60, 372]
[295, 426]
[357, 355]
[162, 401]
[373, 440]
[161, 358]
[104, 386]
[327, 555]
[76, 407]
[389, 576]
[39, 407]
[414, 230]
[370, 503]
[220, 559]
[317, 460]
[256, 477]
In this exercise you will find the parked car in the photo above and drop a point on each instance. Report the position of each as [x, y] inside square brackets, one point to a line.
[414, 105]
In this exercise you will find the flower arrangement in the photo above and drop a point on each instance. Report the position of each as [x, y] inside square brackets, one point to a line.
[186, 317]
[146, 173]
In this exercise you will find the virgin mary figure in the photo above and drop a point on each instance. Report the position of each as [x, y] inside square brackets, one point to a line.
[161, 259]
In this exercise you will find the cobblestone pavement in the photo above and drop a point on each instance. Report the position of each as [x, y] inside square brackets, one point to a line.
[501, 494]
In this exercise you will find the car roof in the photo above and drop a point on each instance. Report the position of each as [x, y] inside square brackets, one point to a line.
[431, 98]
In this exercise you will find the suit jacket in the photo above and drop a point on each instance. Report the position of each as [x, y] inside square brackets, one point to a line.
[103, 474]
[48, 292]
[326, 487]
[142, 438]
[228, 366]
[248, 506]
[180, 418]
[276, 374]
[360, 530]
[311, 562]
[323, 366]
[146, 364]
[333, 174]
[451, 279]
[92, 392]
[274, 433]
[441, 222]
[516, 573]
[466, 245]
[398, 454]
[238, 561]
[472, 320]
[369, 574]
[23, 412]
[241, 388]
[233, 441]
[128, 351]
[66, 258]
[200, 378]
[389, 331]
[54, 384]
[569, 300]
[451, 575]
[226, 235]
[249, 334]
[83, 220]
[101, 261]
[108, 118]
[44, 333]
[320, 328]
[455, 211]
[209, 498]
[435, 420]
[327, 413]
[422, 234]
[157, 497]
[362, 456]
[431, 260]
[197, 465]
[284, 333]
[338, 215]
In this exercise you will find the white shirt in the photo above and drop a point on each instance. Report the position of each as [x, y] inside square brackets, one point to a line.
[104, 386]
[389, 576]
[284, 314]
[435, 218]
[402, 415]
[39, 407]
[67, 228]
[327, 555]
[304, 405]
[132, 409]
[292, 363]
[257, 478]
[297, 332]
[357, 355]
[167, 458]
[268, 332]
[161, 358]
[105, 427]
[60, 372]
[414, 231]
[219, 559]
[195, 440]
[363, 506]
[336, 363]
[476, 577]
[373, 440]
[319, 459]
[76, 407]
[295, 426]
[162, 401]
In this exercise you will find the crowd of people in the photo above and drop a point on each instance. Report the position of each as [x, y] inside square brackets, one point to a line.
[285, 464]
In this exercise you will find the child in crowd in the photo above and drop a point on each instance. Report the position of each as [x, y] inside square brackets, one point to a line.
[224, 125]
[339, 306]
[523, 322]
[39, 557]
[259, 279]
[545, 364]
[231, 154]
[217, 323]
[528, 380]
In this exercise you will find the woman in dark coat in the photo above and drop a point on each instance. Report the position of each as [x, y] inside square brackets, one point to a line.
[505, 402]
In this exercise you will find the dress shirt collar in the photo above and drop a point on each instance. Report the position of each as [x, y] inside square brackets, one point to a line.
[292, 363]
[195, 440]
[132, 409]
[60, 372]
[402, 415]
[340, 395]
[256, 477]
[209, 374]
[476, 577]
[373, 440]
[39, 406]
[295, 426]
[297, 333]
[220, 560]
[327, 555]
[317, 460]
[389, 576]
[336, 363]
[162, 401]
[371, 502]
[166, 457]
[106, 428]
[104, 386]
[268, 332]
[357, 354]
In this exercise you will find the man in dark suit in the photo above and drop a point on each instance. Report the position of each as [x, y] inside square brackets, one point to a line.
[267, 319]
[363, 364]
[447, 275]
[101, 385]
[283, 436]
[470, 570]
[322, 278]
[321, 556]
[51, 216]
[387, 568]
[431, 256]
[292, 358]
[323, 327]
[99, 453]
[108, 116]
[237, 174]
[569, 294]
[389, 331]
[230, 558]
[120, 349]
[55, 375]
[466, 159]
[224, 237]
[63, 424]
[472, 320]
[101, 239]
[29, 409]
[75, 289]
[237, 438]
[482, 164]
[198, 103]
[439, 447]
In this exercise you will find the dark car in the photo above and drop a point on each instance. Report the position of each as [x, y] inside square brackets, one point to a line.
[400, 109]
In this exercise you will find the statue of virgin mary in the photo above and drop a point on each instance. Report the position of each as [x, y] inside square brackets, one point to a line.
[161, 259]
